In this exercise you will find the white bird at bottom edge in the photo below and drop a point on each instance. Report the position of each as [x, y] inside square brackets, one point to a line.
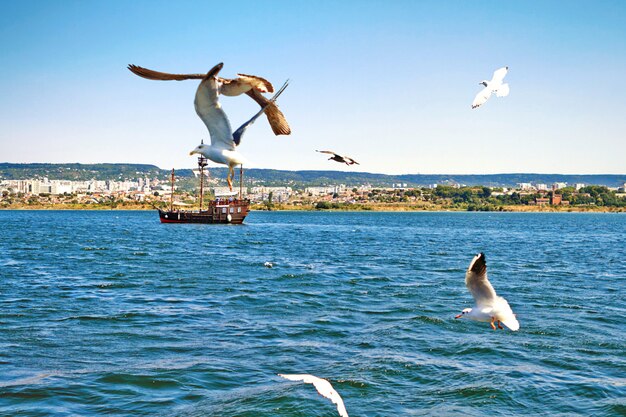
[322, 386]
[489, 306]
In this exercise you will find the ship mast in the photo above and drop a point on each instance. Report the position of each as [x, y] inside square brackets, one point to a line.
[240, 181]
[172, 193]
[202, 162]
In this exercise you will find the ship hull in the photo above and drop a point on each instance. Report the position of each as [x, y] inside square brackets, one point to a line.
[218, 212]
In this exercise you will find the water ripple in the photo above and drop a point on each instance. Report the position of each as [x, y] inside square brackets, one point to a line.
[114, 313]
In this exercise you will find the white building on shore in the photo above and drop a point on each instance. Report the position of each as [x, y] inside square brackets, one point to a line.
[57, 187]
[318, 191]
[279, 194]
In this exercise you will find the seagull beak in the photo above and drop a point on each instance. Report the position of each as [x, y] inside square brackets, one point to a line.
[192, 152]
[458, 316]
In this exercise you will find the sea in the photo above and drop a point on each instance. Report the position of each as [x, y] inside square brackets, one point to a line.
[112, 313]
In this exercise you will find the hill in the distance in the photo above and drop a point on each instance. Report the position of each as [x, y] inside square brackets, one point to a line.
[77, 172]
[272, 177]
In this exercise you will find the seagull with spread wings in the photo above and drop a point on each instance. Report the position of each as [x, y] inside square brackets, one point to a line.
[223, 140]
[343, 159]
[489, 306]
[494, 86]
[323, 387]
[251, 85]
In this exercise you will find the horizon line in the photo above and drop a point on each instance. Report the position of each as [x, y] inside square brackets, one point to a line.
[309, 170]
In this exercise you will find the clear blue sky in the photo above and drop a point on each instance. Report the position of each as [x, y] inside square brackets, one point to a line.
[388, 83]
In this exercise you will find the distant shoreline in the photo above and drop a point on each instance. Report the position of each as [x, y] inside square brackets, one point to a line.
[365, 208]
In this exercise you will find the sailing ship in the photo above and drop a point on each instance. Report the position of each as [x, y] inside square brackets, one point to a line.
[228, 209]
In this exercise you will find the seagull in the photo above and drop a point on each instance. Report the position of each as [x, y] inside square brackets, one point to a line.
[493, 86]
[336, 157]
[252, 85]
[323, 387]
[489, 307]
[268, 265]
[223, 139]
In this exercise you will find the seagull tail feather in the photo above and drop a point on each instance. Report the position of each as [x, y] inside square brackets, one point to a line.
[503, 91]
[511, 323]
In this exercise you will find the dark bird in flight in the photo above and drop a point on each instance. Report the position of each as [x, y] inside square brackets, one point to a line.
[252, 85]
[343, 159]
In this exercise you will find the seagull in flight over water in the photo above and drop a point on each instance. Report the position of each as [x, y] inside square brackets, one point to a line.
[493, 86]
[223, 140]
[343, 159]
[322, 386]
[489, 307]
[251, 85]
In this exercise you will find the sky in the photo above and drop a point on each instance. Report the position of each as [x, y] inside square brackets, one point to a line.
[389, 83]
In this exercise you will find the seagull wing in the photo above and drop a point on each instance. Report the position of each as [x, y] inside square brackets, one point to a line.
[210, 111]
[477, 282]
[253, 81]
[244, 83]
[162, 76]
[239, 132]
[232, 88]
[352, 161]
[258, 83]
[503, 90]
[498, 75]
[275, 117]
[252, 85]
[328, 152]
[322, 386]
[482, 97]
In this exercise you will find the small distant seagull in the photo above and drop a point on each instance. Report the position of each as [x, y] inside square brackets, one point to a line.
[268, 264]
[336, 157]
[323, 387]
[489, 307]
[493, 86]
[251, 85]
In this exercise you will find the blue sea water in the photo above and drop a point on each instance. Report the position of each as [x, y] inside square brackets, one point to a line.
[113, 313]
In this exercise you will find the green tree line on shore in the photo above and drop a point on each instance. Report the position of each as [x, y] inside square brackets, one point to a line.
[591, 195]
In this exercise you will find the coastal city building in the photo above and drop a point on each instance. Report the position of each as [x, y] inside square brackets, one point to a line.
[57, 187]
[317, 191]
[153, 190]
[279, 194]
[225, 191]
